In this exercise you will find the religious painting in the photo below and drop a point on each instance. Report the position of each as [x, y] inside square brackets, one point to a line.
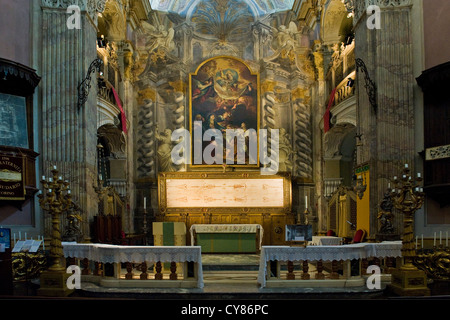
[224, 113]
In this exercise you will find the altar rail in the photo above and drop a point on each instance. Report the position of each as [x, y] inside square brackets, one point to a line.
[351, 259]
[137, 266]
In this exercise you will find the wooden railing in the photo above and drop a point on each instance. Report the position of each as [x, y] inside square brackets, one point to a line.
[137, 266]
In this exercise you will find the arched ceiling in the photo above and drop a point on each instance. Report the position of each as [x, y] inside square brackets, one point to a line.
[185, 7]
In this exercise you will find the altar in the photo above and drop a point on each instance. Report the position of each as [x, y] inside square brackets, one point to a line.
[221, 201]
[227, 238]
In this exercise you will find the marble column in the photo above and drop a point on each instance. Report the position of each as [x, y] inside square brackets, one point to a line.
[69, 135]
[387, 129]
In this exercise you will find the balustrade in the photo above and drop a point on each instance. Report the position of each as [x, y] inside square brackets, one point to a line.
[140, 266]
[346, 265]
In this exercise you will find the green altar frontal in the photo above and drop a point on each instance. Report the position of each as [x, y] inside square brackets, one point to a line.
[227, 238]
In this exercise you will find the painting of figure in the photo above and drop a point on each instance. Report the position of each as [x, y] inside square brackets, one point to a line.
[224, 96]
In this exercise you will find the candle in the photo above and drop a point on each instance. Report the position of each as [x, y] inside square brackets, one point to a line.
[43, 178]
[20, 235]
[100, 177]
[68, 191]
[446, 238]
[50, 179]
[54, 167]
[306, 202]
[25, 236]
[434, 242]
[422, 240]
[406, 165]
[43, 243]
[440, 237]
[418, 174]
[416, 242]
[389, 185]
[145, 203]
[14, 238]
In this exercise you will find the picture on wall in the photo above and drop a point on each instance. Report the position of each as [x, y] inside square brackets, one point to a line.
[13, 120]
[224, 96]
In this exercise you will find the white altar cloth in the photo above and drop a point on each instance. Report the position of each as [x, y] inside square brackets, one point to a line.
[107, 253]
[325, 241]
[326, 253]
[227, 228]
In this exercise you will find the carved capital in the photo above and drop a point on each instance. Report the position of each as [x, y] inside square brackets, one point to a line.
[92, 7]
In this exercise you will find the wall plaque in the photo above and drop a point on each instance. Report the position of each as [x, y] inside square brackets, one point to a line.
[12, 185]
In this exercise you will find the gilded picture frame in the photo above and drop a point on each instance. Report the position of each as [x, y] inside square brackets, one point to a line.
[224, 94]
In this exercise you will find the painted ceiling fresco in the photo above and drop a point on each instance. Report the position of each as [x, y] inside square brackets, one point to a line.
[187, 7]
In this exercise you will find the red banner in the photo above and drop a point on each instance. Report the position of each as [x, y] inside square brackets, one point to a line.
[122, 113]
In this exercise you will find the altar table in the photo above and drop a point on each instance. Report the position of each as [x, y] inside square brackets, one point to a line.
[325, 241]
[116, 254]
[227, 238]
[326, 253]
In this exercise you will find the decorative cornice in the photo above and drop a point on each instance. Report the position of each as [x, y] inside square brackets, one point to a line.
[359, 7]
[8, 67]
[92, 7]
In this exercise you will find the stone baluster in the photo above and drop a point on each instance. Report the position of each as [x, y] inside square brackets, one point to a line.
[364, 265]
[144, 274]
[319, 274]
[173, 271]
[158, 268]
[85, 264]
[98, 269]
[334, 269]
[389, 265]
[305, 267]
[129, 274]
[290, 274]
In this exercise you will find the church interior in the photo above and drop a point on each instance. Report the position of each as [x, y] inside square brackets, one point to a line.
[253, 148]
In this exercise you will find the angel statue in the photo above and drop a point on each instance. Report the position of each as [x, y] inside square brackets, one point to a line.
[158, 37]
[284, 37]
[164, 151]
[284, 43]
